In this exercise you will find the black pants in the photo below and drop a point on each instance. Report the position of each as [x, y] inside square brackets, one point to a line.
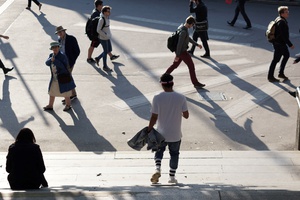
[279, 51]
[204, 37]
[35, 1]
[241, 8]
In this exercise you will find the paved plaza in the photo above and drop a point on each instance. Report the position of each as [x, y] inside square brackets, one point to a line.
[239, 113]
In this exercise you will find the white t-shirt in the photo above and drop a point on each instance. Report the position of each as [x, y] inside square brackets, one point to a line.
[169, 107]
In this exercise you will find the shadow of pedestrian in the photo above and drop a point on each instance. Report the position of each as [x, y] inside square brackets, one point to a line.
[83, 134]
[7, 115]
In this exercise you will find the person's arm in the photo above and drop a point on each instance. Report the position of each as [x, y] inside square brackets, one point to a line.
[185, 114]
[4, 36]
[192, 8]
[152, 121]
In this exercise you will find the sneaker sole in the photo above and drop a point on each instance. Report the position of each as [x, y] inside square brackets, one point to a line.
[155, 177]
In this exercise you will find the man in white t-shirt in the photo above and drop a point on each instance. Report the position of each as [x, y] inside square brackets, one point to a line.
[167, 110]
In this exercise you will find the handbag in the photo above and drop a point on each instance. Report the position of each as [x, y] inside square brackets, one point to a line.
[201, 26]
[64, 78]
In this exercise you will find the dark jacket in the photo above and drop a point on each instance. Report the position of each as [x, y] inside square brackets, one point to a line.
[282, 35]
[154, 140]
[72, 49]
[200, 10]
[183, 40]
[25, 165]
[61, 63]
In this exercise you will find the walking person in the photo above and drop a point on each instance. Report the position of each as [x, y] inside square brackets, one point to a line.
[105, 35]
[95, 41]
[59, 87]
[5, 70]
[24, 163]
[240, 8]
[280, 44]
[201, 15]
[69, 46]
[181, 53]
[167, 110]
[36, 2]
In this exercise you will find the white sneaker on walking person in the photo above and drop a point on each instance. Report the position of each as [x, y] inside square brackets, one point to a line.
[173, 180]
[155, 177]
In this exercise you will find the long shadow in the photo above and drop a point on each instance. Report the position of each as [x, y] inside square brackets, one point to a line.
[8, 117]
[124, 89]
[271, 105]
[230, 129]
[83, 134]
[46, 24]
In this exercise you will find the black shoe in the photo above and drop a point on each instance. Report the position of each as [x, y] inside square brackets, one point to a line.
[199, 85]
[191, 52]
[230, 23]
[67, 108]
[47, 108]
[97, 61]
[272, 80]
[292, 94]
[247, 27]
[282, 76]
[107, 69]
[28, 8]
[114, 57]
[73, 97]
[205, 56]
[90, 60]
[6, 70]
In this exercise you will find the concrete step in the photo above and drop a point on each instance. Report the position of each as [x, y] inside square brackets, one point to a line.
[126, 174]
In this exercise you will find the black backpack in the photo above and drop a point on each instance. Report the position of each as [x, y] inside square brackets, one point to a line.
[173, 40]
[91, 27]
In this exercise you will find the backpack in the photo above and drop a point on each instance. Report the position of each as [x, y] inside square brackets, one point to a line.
[173, 40]
[270, 33]
[91, 27]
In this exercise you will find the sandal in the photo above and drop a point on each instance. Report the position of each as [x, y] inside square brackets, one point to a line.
[47, 108]
[67, 108]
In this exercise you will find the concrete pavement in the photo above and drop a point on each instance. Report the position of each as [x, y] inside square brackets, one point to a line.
[85, 150]
[214, 175]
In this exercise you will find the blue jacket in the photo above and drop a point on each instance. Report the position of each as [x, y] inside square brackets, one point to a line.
[61, 63]
[154, 140]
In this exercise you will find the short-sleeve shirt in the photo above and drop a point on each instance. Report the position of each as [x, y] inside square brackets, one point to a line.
[169, 107]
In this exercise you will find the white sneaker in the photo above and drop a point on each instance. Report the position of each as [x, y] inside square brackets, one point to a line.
[155, 177]
[297, 55]
[172, 180]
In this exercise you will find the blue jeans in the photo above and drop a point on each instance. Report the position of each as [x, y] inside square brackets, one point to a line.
[174, 153]
[106, 45]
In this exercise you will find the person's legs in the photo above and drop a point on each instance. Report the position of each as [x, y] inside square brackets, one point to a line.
[29, 4]
[204, 38]
[158, 158]
[276, 58]
[286, 55]
[174, 158]
[105, 47]
[36, 2]
[236, 14]
[174, 66]
[94, 44]
[243, 12]
[74, 94]
[190, 64]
